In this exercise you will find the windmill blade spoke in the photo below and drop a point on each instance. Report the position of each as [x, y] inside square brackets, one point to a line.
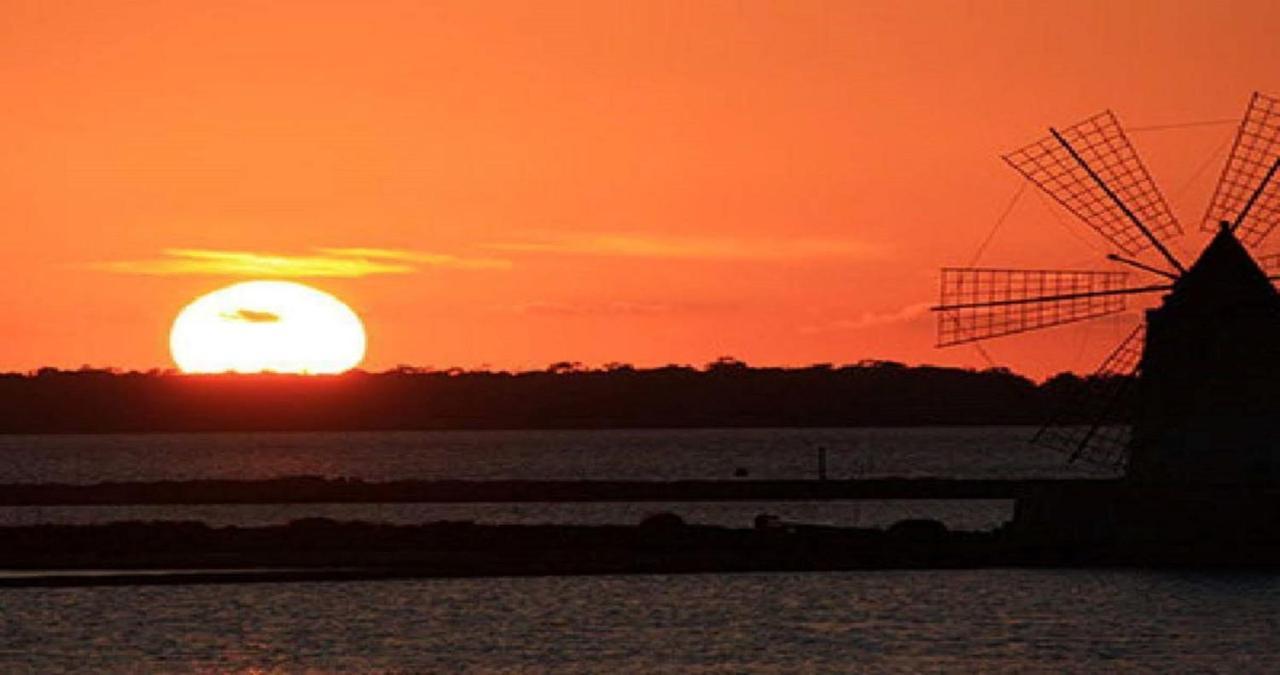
[1102, 145]
[1253, 156]
[979, 303]
[1093, 424]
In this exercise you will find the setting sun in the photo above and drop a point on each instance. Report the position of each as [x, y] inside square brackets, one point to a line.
[267, 326]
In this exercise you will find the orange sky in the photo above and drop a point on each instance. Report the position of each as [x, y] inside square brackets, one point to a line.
[517, 184]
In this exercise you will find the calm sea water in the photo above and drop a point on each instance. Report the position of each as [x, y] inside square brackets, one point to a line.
[888, 621]
[935, 621]
[660, 454]
[986, 452]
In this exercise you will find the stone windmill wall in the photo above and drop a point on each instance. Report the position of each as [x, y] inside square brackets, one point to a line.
[1209, 390]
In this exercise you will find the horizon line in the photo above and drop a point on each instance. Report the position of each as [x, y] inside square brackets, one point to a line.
[558, 368]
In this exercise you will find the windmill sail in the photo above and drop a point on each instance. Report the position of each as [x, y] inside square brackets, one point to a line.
[1270, 264]
[1184, 397]
[1094, 424]
[1092, 169]
[981, 303]
[1256, 149]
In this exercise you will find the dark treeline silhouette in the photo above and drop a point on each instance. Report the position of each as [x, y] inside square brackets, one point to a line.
[724, 393]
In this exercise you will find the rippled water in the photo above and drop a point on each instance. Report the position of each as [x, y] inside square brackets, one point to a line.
[932, 621]
[979, 452]
[970, 452]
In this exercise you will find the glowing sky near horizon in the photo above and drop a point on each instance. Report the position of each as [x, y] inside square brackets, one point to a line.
[514, 184]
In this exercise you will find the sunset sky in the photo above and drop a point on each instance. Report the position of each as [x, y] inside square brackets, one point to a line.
[514, 184]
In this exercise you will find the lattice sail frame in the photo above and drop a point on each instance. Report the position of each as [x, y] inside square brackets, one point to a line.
[979, 303]
[1270, 263]
[1086, 427]
[1256, 148]
[1103, 145]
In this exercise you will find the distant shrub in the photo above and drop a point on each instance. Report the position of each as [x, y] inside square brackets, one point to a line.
[662, 522]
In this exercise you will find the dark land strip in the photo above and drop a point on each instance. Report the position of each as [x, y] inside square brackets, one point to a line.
[724, 394]
[318, 549]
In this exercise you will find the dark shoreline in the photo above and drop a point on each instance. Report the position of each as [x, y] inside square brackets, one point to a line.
[1056, 523]
[319, 549]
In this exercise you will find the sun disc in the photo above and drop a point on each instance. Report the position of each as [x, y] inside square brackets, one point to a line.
[267, 326]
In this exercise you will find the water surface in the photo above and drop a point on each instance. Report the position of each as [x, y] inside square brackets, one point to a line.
[625, 454]
[916, 621]
[972, 452]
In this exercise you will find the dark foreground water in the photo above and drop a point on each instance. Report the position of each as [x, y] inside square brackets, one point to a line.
[934, 621]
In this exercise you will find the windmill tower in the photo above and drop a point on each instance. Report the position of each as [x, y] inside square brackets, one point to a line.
[1204, 367]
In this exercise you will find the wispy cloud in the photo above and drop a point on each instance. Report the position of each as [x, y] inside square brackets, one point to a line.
[199, 262]
[323, 262]
[694, 248]
[418, 257]
[913, 312]
[610, 308]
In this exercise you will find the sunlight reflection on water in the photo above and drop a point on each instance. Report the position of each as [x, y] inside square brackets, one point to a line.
[909, 621]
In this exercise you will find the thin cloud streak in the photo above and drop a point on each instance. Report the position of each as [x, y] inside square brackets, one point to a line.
[913, 312]
[640, 246]
[330, 263]
[419, 257]
[610, 308]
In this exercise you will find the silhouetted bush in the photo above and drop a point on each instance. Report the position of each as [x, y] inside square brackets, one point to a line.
[918, 529]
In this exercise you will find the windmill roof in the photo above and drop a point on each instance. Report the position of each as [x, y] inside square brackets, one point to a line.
[1224, 274]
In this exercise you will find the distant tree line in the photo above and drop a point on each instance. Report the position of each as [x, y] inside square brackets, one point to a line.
[724, 393]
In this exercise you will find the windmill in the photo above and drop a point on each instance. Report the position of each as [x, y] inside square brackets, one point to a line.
[1203, 368]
